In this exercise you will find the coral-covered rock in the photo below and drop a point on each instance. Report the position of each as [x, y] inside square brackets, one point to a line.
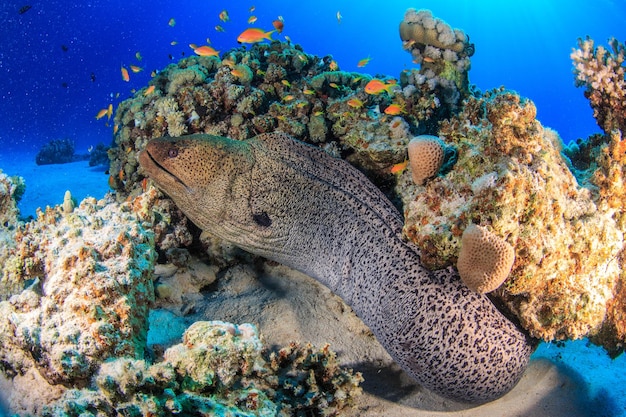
[81, 285]
[601, 72]
[510, 176]
[219, 369]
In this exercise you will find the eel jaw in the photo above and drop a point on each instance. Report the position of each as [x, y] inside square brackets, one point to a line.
[153, 168]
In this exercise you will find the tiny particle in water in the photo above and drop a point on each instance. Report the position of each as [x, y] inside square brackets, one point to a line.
[64, 48]
[64, 85]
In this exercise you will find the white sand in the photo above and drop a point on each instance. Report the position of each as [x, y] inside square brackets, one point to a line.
[576, 379]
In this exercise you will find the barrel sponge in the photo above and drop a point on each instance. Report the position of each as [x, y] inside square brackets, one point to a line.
[485, 260]
[426, 156]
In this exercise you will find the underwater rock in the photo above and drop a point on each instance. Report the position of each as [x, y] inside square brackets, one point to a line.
[511, 176]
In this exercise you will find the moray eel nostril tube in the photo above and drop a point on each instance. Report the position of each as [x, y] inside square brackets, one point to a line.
[293, 203]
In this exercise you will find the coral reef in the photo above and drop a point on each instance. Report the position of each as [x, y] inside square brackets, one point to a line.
[442, 52]
[58, 151]
[76, 288]
[285, 89]
[512, 178]
[219, 369]
[601, 72]
[98, 155]
[485, 260]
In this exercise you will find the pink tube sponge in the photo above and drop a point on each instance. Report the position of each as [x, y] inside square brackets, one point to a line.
[426, 155]
[485, 260]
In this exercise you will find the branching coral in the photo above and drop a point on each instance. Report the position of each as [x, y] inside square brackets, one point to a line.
[601, 72]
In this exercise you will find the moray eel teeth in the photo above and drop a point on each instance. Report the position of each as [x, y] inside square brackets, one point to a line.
[295, 204]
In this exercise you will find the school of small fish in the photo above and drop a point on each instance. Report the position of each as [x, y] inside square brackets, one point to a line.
[252, 35]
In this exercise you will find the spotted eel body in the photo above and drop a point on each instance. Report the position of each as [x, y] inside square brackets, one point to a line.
[295, 204]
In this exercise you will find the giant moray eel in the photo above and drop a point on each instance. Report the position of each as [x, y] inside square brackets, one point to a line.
[290, 202]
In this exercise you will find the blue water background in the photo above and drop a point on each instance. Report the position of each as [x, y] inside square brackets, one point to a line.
[48, 93]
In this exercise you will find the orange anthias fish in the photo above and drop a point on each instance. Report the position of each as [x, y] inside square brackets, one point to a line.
[224, 16]
[376, 86]
[394, 109]
[206, 50]
[148, 91]
[135, 68]
[252, 19]
[355, 102]
[363, 62]
[333, 66]
[109, 111]
[220, 29]
[125, 75]
[279, 25]
[254, 35]
[400, 167]
[101, 114]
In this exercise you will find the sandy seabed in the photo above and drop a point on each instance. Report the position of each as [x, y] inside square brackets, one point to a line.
[573, 378]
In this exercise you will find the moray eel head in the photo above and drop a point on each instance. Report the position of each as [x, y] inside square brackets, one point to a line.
[207, 176]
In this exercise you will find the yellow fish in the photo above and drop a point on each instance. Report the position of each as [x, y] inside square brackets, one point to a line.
[399, 168]
[109, 111]
[376, 86]
[355, 102]
[394, 109]
[286, 83]
[138, 56]
[308, 92]
[288, 97]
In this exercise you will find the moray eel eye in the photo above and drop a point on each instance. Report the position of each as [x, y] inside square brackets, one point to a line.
[172, 152]
[262, 219]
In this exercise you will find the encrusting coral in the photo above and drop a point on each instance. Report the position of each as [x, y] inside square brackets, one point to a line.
[485, 260]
